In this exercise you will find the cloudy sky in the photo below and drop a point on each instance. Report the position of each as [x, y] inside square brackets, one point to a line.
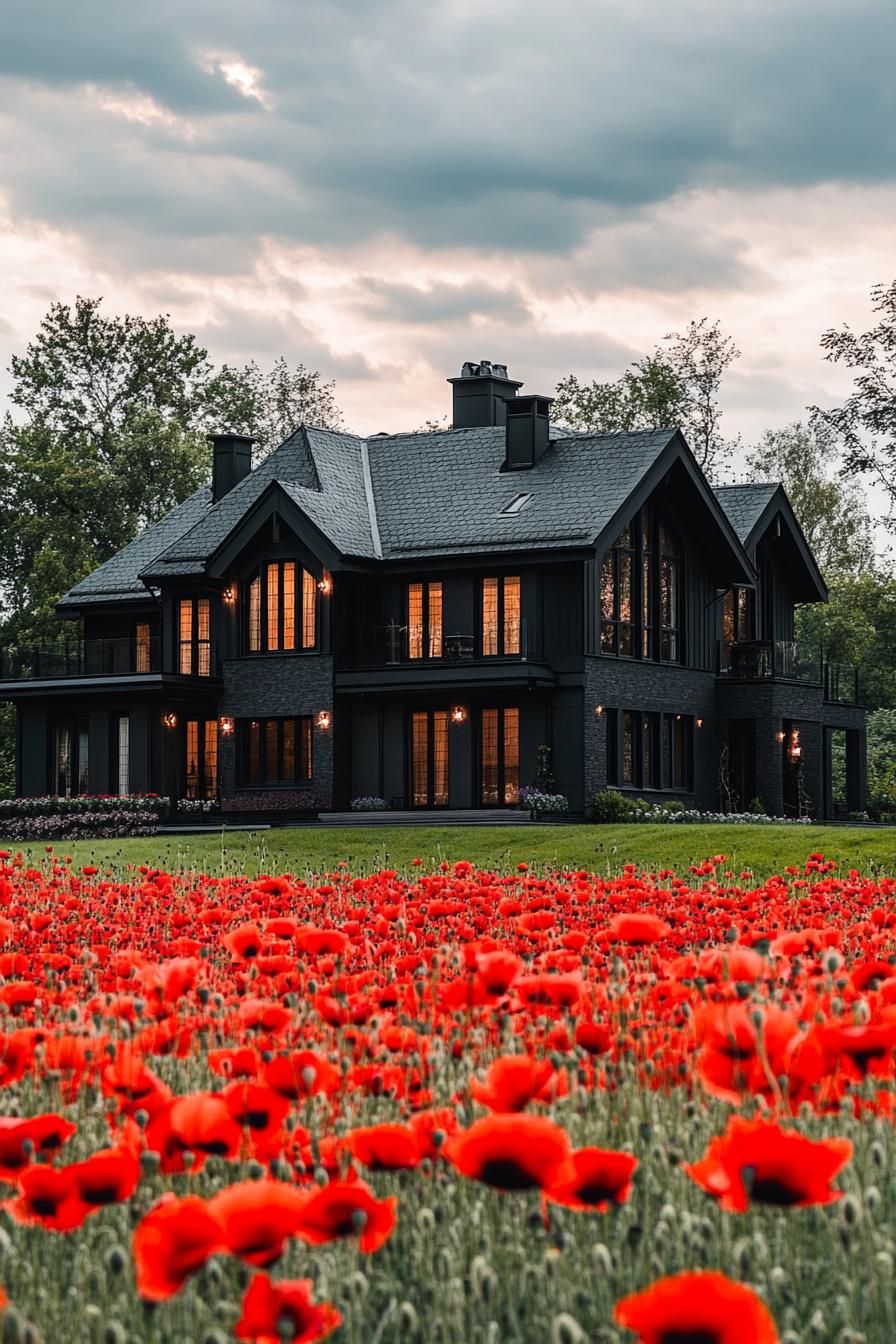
[385, 188]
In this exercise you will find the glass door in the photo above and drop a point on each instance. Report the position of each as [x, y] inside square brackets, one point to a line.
[499, 754]
[429, 758]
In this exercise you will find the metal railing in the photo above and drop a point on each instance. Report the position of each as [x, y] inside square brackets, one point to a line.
[395, 645]
[788, 660]
[85, 658]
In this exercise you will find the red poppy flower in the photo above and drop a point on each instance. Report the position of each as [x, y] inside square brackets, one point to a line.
[384, 1147]
[512, 1152]
[755, 1161]
[273, 1312]
[256, 1217]
[702, 1306]
[512, 1082]
[593, 1037]
[245, 942]
[20, 1139]
[347, 1209]
[172, 1242]
[602, 1177]
[302, 1074]
[48, 1198]
[638, 930]
[109, 1176]
[200, 1123]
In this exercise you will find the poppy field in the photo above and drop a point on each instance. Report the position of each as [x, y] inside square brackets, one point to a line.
[459, 1105]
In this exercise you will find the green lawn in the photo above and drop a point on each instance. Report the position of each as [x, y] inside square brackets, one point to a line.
[764, 849]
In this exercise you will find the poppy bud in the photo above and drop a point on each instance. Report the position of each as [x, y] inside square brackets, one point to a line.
[114, 1333]
[565, 1329]
[115, 1259]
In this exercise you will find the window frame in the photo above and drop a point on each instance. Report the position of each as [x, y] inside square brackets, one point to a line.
[425, 627]
[502, 617]
[249, 731]
[196, 646]
[636, 736]
[289, 629]
[639, 550]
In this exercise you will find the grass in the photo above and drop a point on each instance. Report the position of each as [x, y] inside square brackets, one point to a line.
[603, 849]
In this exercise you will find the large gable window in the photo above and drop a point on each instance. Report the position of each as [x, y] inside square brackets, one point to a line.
[640, 592]
[281, 614]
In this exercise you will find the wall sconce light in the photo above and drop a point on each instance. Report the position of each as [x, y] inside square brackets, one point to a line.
[226, 725]
[169, 720]
[229, 595]
[598, 711]
[780, 735]
[794, 748]
[324, 720]
[699, 723]
[458, 714]
[325, 585]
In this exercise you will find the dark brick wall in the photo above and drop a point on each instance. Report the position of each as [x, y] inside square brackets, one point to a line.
[279, 686]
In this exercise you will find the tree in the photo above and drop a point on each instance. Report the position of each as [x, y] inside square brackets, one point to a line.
[678, 385]
[866, 422]
[832, 513]
[858, 626]
[881, 729]
[270, 405]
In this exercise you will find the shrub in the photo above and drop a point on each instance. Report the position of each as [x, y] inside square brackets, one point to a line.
[608, 806]
[93, 804]
[757, 808]
[105, 825]
[369, 805]
[197, 806]
[544, 778]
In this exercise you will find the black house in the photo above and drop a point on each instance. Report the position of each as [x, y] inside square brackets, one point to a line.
[411, 616]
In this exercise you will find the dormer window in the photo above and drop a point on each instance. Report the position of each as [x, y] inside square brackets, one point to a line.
[282, 609]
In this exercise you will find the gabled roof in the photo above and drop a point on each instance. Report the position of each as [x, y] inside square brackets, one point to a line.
[745, 504]
[402, 497]
[756, 507]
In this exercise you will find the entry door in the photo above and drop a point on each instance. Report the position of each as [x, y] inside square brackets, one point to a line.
[201, 758]
[429, 758]
[499, 754]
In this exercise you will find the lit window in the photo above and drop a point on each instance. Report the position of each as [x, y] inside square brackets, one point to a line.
[424, 620]
[275, 751]
[501, 616]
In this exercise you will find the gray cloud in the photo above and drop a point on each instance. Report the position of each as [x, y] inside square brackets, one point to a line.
[394, 302]
[447, 125]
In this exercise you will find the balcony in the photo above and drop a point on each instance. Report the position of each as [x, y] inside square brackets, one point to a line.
[788, 660]
[98, 659]
[379, 659]
[390, 646]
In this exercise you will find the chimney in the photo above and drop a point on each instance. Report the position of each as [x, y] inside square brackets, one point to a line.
[527, 431]
[481, 394]
[231, 462]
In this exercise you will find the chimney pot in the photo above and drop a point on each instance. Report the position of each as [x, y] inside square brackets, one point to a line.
[481, 393]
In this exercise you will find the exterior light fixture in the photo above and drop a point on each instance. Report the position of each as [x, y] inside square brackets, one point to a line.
[169, 720]
[324, 720]
[226, 725]
[229, 595]
[458, 714]
[325, 585]
[598, 711]
[780, 735]
[699, 723]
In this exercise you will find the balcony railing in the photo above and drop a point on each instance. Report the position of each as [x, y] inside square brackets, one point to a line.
[392, 645]
[788, 660]
[124, 657]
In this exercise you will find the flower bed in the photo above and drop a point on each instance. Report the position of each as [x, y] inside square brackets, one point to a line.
[462, 1106]
[84, 817]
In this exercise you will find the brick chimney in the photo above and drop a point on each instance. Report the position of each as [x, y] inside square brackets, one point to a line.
[231, 462]
[481, 393]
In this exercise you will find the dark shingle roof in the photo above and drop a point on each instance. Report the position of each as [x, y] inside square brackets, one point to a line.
[443, 492]
[400, 496]
[744, 504]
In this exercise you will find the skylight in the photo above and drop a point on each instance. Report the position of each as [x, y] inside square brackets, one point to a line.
[516, 505]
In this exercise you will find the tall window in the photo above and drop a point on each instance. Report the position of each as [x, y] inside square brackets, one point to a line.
[194, 637]
[737, 616]
[275, 751]
[616, 584]
[123, 761]
[425, 637]
[501, 616]
[678, 766]
[429, 758]
[669, 595]
[142, 647]
[633, 749]
[640, 592]
[282, 609]
[71, 773]
[499, 746]
[201, 758]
